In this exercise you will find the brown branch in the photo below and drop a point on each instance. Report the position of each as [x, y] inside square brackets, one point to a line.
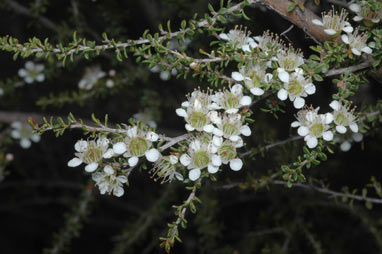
[353, 68]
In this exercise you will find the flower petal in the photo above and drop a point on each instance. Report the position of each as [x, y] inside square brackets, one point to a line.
[74, 162]
[224, 36]
[345, 146]
[152, 136]
[341, 129]
[282, 94]
[257, 91]
[91, 167]
[185, 160]
[303, 131]
[236, 164]
[181, 112]
[356, 51]
[327, 135]
[335, 105]
[245, 101]
[194, 174]
[330, 31]
[317, 22]
[212, 169]
[237, 76]
[295, 124]
[354, 127]
[312, 142]
[216, 160]
[345, 38]
[119, 148]
[152, 155]
[283, 76]
[299, 102]
[245, 130]
[367, 50]
[208, 128]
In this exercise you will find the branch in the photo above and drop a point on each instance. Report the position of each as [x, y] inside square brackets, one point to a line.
[353, 68]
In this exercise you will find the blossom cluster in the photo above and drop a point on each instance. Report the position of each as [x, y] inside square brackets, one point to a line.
[313, 126]
[99, 153]
[219, 126]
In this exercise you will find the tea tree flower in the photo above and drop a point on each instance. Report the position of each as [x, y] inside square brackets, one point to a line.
[366, 14]
[201, 154]
[269, 41]
[346, 140]
[165, 168]
[231, 127]
[228, 154]
[32, 72]
[109, 182]
[231, 100]
[312, 126]
[138, 143]
[91, 153]
[296, 88]
[24, 133]
[289, 60]
[239, 38]
[357, 42]
[91, 77]
[343, 118]
[334, 23]
[254, 78]
[196, 112]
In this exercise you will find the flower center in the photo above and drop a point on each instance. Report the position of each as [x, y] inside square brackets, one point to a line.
[230, 101]
[93, 154]
[295, 88]
[197, 119]
[138, 147]
[229, 129]
[341, 119]
[201, 159]
[227, 152]
[317, 129]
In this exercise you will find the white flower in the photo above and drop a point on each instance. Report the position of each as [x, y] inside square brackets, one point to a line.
[196, 112]
[269, 41]
[201, 154]
[357, 42]
[239, 39]
[109, 182]
[165, 168]
[255, 78]
[296, 88]
[231, 127]
[231, 100]
[365, 14]
[24, 133]
[91, 153]
[289, 60]
[32, 72]
[343, 118]
[346, 140]
[334, 23]
[228, 154]
[312, 126]
[137, 143]
[91, 77]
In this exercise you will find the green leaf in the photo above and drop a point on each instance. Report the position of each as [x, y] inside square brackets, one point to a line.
[291, 7]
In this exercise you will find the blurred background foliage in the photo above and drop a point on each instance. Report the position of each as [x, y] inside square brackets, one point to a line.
[40, 196]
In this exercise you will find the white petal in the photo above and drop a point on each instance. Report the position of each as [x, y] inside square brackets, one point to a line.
[118, 192]
[208, 128]
[345, 38]
[237, 89]
[29, 65]
[376, 20]
[329, 32]
[217, 141]
[310, 88]
[367, 50]
[357, 18]
[218, 132]
[357, 137]
[152, 155]
[81, 146]
[283, 76]
[232, 111]
[16, 134]
[345, 146]
[181, 112]
[186, 104]
[295, 124]
[119, 148]
[282, 94]
[108, 170]
[216, 160]
[189, 127]
[237, 76]
[133, 161]
[152, 136]
[185, 160]
[312, 142]
[303, 131]
[224, 36]
[108, 154]
[22, 73]
[299, 102]
[239, 143]
[268, 78]
[356, 51]
[327, 135]
[25, 143]
[212, 169]
[35, 138]
[246, 48]
[40, 77]
[194, 174]
[335, 105]
[234, 138]
[328, 118]
[214, 117]
[235, 164]
[132, 132]
[173, 159]
[245, 101]
[17, 125]
[74, 162]
[317, 22]
[341, 129]
[257, 91]
[354, 127]
[348, 29]
[355, 7]
[91, 167]
[245, 130]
